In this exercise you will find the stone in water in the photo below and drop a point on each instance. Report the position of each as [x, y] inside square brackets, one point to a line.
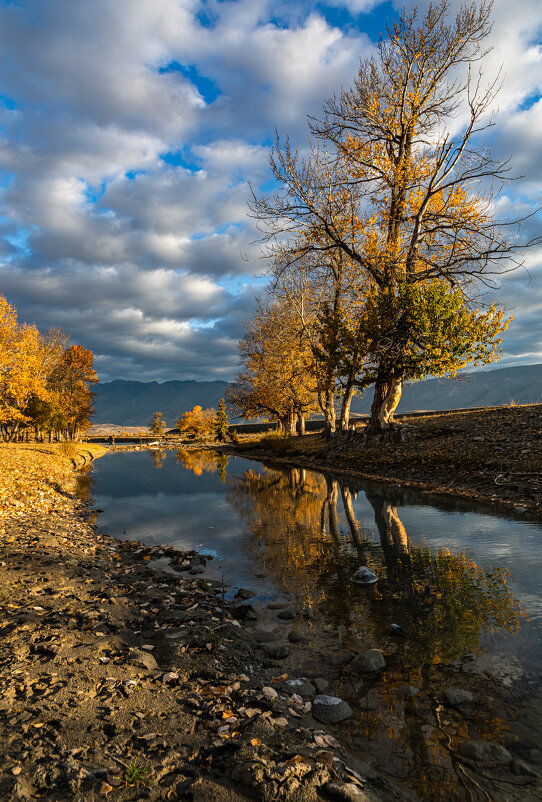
[364, 576]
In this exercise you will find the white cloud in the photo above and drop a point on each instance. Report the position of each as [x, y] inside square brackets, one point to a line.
[139, 258]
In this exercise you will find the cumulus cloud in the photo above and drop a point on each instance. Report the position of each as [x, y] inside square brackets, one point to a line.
[128, 133]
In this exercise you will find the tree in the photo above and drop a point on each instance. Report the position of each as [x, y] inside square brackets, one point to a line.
[73, 379]
[221, 424]
[158, 425]
[197, 422]
[398, 181]
[275, 379]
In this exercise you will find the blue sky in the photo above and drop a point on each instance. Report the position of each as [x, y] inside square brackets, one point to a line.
[129, 132]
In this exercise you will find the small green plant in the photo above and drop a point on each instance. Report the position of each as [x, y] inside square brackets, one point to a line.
[134, 774]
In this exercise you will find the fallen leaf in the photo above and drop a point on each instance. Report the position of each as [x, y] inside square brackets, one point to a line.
[255, 742]
[105, 789]
[16, 770]
[298, 759]
[280, 678]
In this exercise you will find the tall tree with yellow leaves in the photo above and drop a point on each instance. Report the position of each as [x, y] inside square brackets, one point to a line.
[401, 183]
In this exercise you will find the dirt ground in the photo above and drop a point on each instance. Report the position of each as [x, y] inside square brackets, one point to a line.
[492, 455]
[125, 675]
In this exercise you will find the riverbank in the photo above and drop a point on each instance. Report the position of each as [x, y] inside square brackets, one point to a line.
[125, 674]
[492, 455]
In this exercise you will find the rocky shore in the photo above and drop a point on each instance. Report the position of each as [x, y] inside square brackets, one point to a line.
[126, 675]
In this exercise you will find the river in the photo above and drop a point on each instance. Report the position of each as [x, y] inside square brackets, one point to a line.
[461, 583]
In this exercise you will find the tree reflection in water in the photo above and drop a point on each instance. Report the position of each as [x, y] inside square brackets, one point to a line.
[442, 598]
[199, 461]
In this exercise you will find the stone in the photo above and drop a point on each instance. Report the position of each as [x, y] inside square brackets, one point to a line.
[330, 709]
[408, 690]
[486, 752]
[347, 792]
[264, 633]
[320, 684]
[277, 650]
[244, 593]
[522, 769]
[277, 605]
[454, 697]
[301, 686]
[288, 614]
[296, 637]
[144, 659]
[367, 662]
[364, 577]
[371, 702]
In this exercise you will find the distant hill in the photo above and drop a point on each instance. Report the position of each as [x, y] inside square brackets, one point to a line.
[132, 403]
[488, 388]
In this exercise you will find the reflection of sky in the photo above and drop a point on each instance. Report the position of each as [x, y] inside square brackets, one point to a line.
[172, 505]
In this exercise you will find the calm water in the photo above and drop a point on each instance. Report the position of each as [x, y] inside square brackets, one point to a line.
[464, 584]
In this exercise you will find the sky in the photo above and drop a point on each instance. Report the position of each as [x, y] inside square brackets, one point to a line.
[129, 130]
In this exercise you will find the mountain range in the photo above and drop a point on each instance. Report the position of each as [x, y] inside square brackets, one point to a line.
[132, 403]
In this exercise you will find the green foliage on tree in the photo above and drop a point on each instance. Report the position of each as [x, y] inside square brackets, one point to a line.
[158, 425]
[222, 423]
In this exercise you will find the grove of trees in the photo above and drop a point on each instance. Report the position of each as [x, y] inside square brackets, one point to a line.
[45, 384]
[383, 237]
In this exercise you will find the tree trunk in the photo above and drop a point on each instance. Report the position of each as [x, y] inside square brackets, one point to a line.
[387, 396]
[331, 503]
[329, 413]
[345, 407]
[350, 517]
[291, 423]
[301, 420]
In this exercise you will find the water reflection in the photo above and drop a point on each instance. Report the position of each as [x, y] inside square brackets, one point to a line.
[204, 461]
[442, 598]
[445, 602]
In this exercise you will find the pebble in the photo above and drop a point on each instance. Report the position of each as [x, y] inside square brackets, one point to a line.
[276, 650]
[367, 662]
[301, 686]
[264, 633]
[456, 696]
[330, 709]
[288, 614]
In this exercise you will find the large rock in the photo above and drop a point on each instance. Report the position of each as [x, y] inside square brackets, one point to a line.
[486, 752]
[330, 709]
[367, 662]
